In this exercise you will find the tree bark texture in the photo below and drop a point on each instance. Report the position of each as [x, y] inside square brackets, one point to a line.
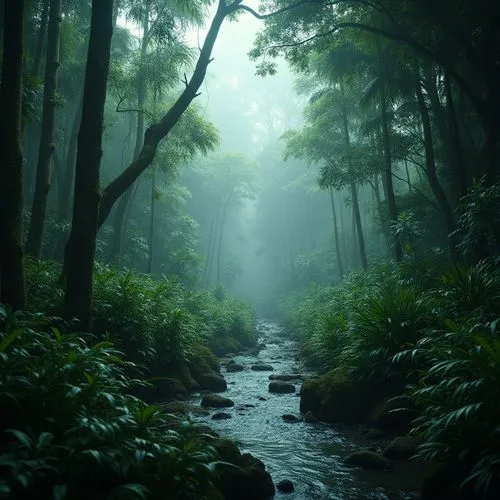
[42, 186]
[12, 284]
[80, 249]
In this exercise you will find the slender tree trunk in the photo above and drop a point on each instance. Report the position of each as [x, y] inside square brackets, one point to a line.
[391, 197]
[431, 173]
[32, 130]
[39, 207]
[12, 285]
[40, 37]
[152, 222]
[354, 193]
[458, 155]
[336, 234]
[221, 233]
[211, 239]
[81, 244]
[69, 170]
[359, 228]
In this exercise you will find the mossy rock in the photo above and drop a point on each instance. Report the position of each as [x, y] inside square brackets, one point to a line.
[394, 414]
[181, 372]
[212, 382]
[203, 361]
[249, 480]
[222, 345]
[367, 459]
[402, 447]
[334, 397]
[168, 388]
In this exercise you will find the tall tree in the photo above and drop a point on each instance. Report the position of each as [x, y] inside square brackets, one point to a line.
[81, 244]
[12, 290]
[39, 208]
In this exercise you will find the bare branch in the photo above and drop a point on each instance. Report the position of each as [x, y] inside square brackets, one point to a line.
[417, 191]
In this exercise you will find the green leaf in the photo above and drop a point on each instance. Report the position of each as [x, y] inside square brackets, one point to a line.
[6, 341]
[44, 439]
[25, 440]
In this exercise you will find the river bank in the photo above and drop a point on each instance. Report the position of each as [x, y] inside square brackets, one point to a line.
[309, 454]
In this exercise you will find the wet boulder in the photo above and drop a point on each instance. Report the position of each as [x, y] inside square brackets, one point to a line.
[285, 486]
[234, 367]
[248, 481]
[221, 415]
[334, 397]
[212, 382]
[278, 387]
[368, 459]
[262, 367]
[310, 418]
[285, 377]
[393, 415]
[402, 447]
[216, 401]
[288, 417]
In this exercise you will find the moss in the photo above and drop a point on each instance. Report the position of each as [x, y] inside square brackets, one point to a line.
[334, 397]
[203, 361]
[222, 345]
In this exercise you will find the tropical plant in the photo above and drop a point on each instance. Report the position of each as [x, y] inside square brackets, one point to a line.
[459, 394]
[73, 430]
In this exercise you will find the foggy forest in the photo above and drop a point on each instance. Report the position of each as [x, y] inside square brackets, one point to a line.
[249, 249]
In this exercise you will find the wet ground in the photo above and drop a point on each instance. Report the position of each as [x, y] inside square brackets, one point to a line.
[310, 455]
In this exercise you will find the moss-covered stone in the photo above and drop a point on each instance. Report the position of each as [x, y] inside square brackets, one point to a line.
[402, 447]
[334, 397]
[367, 459]
[249, 480]
[168, 388]
[393, 414]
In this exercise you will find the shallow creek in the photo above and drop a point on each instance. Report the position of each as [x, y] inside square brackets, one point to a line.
[310, 455]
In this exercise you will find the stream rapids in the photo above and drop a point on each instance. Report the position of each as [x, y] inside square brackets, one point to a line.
[309, 455]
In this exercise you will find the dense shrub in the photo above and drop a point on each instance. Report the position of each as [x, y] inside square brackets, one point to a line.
[459, 393]
[155, 322]
[73, 431]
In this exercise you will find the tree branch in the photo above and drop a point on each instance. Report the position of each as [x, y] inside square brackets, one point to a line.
[417, 191]
[159, 130]
[275, 13]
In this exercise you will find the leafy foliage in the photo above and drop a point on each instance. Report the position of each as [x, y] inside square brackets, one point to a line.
[156, 322]
[73, 431]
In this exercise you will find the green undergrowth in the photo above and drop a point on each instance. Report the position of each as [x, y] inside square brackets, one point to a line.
[158, 323]
[429, 333]
[71, 429]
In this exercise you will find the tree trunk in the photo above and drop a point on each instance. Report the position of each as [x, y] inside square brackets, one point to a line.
[12, 285]
[391, 197]
[211, 250]
[430, 170]
[336, 235]
[81, 244]
[157, 131]
[354, 193]
[69, 170]
[152, 223]
[359, 228]
[39, 207]
[458, 156]
[40, 38]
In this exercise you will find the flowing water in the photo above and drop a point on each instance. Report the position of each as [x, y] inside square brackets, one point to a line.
[310, 455]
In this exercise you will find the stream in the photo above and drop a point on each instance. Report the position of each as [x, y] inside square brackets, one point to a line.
[309, 455]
